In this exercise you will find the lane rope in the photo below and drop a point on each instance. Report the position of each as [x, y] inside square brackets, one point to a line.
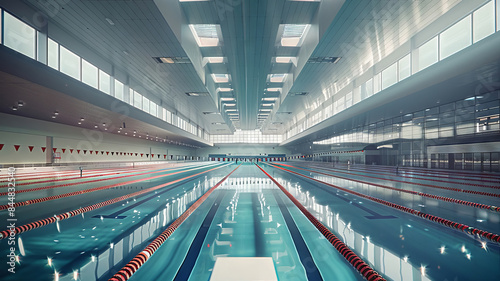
[140, 259]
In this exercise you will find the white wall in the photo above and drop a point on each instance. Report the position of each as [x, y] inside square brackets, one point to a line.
[16, 130]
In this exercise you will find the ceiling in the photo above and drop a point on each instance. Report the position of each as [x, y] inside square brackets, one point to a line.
[130, 33]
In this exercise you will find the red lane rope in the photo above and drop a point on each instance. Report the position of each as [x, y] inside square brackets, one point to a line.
[434, 171]
[130, 268]
[416, 183]
[360, 170]
[53, 179]
[91, 181]
[20, 229]
[363, 268]
[451, 224]
[54, 197]
[447, 199]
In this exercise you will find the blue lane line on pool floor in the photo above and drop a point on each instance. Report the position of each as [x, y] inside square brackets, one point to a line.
[192, 255]
[312, 271]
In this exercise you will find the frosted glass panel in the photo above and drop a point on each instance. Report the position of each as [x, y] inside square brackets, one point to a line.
[53, 54]
[404, 67]
[70, 63]
[366, 89]
[390, 76]
[376, 83]
[145, 104]
[137, 100]
[89, 74]
[104, 84]
[484, 21]
[119, 90]
[152, 108]
[19, 36]
[498, 15]
[427, 54]
[455, 38]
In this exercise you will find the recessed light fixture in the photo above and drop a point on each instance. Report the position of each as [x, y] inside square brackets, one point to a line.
[14, 108]
[56, 113]
[95, 126]
[53, 116]
[82, 119]
[227, 99]
[269, 99]
[79, 123]
[224, 89]
[110, 21]
[273, 89]
[20, 103]
[284, 59]
[104, 124]
[215, 59]
[197, 94]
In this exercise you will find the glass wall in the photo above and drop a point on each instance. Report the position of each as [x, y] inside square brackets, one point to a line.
[477, 25]
[18, 35]
[246, 136]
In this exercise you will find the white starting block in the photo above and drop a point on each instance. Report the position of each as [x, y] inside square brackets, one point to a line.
[244, 269]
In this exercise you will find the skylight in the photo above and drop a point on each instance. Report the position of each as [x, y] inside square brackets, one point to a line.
[220, 78]
[215, 59]
[277, 78]
[205, 34]
[273, 89]
[284, 59]
[292, 34]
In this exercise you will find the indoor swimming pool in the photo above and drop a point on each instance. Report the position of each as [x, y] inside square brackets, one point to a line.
[92, 227]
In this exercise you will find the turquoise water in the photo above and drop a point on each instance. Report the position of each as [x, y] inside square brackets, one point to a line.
[249, 216]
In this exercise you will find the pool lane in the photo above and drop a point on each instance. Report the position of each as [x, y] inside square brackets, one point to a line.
[401, 248]
[41, 210]
[481, 218]
[248, 222]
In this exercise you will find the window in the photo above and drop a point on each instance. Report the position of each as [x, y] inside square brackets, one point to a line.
[119, 90]
[19, 36]
[145, 104]
[377, 85]
[104, 82]
[484, 21]
[89, 74]
[455, 38]
[137, 100]
[69, 63]
[427, 54]
[404, 67]
[390, 76]
[153, 109]
[367, 89]
[53, 54]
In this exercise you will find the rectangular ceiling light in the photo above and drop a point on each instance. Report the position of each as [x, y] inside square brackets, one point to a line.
[269, 99]
[231, 109]
[265, 110]
[273, 89]
[229, 104]
[284, 59]
[293, 34]
[205, 34]
[197, 94]
[220, 78]
[227, 99]
[215, 59]
[268, 104]
[277, 78]
[172, 59]
[224, 89]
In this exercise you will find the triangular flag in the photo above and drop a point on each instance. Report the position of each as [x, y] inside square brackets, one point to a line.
[1, 146]
[17, 147]
[142, 154]
[102, 152]
[43, 149]
[136, 154]
[84, 151]
[71, 150]
[90, 151]
[158, 155]
[152, 155]
[78, 151]
[54, 149]
[112, 153]
[64, 150]
[31, 148]
[107, 152]
[147, 154]
[164, 156]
